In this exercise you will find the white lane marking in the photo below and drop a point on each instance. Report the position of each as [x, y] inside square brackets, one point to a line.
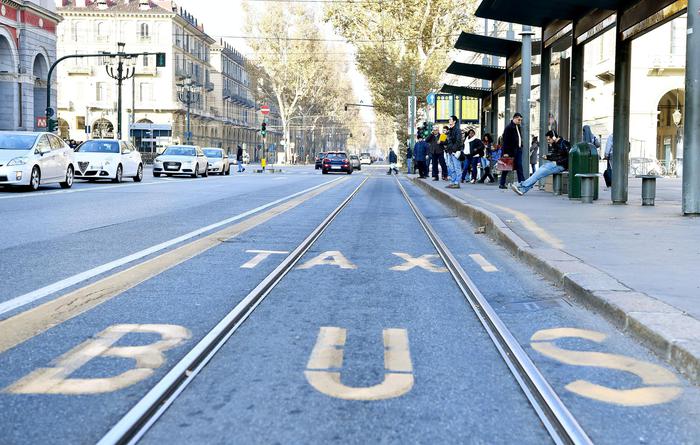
[30, 297]
[261, 256]
[483, 263]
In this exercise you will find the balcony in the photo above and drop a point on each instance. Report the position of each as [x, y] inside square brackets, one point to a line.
[150, 70]
[209, 86]
[78, 69]
[667, 64]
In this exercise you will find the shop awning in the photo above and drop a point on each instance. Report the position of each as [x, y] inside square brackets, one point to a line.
[476, 71]
[487, 45]
[542, 12]
[478, 93]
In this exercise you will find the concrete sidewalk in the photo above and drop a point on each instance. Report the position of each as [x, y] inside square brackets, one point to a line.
[638, 266]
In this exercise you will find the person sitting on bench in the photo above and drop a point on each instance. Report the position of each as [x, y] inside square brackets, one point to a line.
[559, 162]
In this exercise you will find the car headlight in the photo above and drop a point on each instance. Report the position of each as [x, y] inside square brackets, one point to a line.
[17, 161]
[157, 160]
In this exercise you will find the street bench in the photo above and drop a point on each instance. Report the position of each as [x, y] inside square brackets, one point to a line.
[587, 186]
[648, 189]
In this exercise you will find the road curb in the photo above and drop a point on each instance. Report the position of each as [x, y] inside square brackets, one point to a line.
[672, 334]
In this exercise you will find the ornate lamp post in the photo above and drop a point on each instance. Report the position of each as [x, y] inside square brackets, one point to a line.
[117, 70]
[188, 94]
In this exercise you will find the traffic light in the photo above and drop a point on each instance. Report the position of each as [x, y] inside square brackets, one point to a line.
[263, 129]
[52, 125]
[160, 60]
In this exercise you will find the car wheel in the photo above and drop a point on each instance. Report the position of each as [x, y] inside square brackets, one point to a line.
[350, 171]
[156, 175]
[35, 179]
[324, 172]
[118, 176]
[196, 171]
[139, 174]
[206, 172]
[228, 170]
[68, 183]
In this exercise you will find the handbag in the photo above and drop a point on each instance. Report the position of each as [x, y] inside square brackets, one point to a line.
[505, 164]
[607, 175]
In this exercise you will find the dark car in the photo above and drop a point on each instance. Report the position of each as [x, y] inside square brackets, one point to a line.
[319, 160]
[336, 162]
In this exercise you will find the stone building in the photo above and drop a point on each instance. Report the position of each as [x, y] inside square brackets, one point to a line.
[27, 50]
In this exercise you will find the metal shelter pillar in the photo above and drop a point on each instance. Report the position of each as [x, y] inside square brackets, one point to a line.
[525, 91]
[577, 70]
[494, 116]
[621, 116]
[691, 136]
[545, 92]
[509, 86]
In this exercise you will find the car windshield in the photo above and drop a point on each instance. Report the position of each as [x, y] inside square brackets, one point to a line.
[180, 151]
[353, 157]
[214, 153]
[16, 141]
[99, 147]
[336, 156]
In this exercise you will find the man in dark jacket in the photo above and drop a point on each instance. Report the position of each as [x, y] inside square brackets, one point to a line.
[409, 160]
[559, 162]
[420, 152]
[239, 159]
[437, 154]
[513, 148]
[393, 159]
[453, 149]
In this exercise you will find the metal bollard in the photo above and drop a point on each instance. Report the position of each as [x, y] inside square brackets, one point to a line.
[557, 184]
[648, 190]
[587, 191]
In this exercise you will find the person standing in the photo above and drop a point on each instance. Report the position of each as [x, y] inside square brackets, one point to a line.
[534, 153]
[420, 151]
[607, 175]
[437, 154]
[476, 154]
[559, 162]
[393, 159]
[513, 148]
[489, 158]
[409, 160]
[454, 150]
[239, 159]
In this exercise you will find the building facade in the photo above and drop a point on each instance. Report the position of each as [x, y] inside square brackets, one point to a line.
[222, 109]
[27, 50]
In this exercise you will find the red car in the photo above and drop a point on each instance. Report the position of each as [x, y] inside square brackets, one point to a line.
[336, 162]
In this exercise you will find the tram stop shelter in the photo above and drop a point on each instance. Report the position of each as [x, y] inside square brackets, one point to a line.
[575, 23]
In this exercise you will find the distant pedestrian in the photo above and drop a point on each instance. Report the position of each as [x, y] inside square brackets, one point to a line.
[239, 159]
[559, 162]
[607, 175]
[590, 138]
[534, 153]
[454, 151]
[409, 160]
[437, 154]
[513, 148]
[393, 160]
[420, 152]
[487, 161]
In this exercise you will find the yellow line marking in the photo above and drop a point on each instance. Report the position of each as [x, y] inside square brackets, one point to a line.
[651, 375]
[483, 263]
[146, 358]
[328, 354]
[23, 326]
[424, 262]
[330, 258]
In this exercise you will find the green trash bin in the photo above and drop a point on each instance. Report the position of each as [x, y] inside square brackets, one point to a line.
[583, 158]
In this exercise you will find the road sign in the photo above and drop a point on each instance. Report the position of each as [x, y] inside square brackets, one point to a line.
[265, 110]
[41, 122]
[430, 99]
[50, 112]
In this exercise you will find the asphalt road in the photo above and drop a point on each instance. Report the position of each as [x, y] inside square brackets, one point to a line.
[366, 282]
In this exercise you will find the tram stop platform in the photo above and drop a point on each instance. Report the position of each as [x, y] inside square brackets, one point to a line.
[638, 266]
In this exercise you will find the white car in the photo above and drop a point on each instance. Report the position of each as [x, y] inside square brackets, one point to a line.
[108, 159]
[181, 160]
[218, 160]
[34, 159]
[365, 159]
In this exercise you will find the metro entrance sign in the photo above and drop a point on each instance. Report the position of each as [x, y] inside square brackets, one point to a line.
[41, 122]
[265, 110]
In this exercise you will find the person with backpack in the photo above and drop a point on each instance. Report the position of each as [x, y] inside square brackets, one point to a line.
[559, 162]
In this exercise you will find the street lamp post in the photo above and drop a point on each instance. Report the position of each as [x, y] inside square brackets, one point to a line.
[187, 93]
[116, 70]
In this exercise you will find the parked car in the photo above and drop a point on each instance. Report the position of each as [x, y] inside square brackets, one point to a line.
[365, 159]
[355, 162]
[218, 161]
[336, 162]
[34, 159]
[181, 160]
[319, 160]
[108, 159]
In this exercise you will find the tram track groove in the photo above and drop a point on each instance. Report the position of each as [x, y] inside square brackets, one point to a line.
[138, 420]
[561, 425]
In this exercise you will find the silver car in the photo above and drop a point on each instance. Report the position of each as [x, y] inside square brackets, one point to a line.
[181, 160]
[218, 161]
[34, 159]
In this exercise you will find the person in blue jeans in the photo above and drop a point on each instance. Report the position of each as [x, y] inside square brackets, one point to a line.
[558, 162]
